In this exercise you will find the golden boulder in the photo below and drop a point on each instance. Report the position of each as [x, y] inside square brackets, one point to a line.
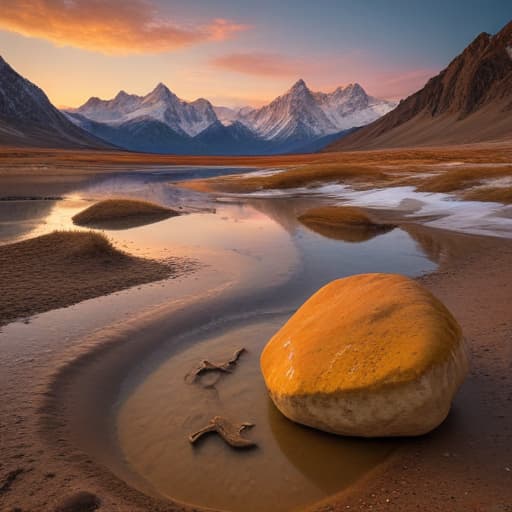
[370, 355]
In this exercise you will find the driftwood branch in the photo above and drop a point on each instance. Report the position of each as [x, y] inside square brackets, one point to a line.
[230, 432]
[206, 366]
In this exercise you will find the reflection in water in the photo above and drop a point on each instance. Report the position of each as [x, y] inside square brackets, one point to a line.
[330, 462]
[135, 221]
[18, 218]
[347, 234]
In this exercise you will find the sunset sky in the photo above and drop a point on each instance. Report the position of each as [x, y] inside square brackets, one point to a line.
[237, 52]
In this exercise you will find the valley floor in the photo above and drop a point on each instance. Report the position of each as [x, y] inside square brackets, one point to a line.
[463, 466]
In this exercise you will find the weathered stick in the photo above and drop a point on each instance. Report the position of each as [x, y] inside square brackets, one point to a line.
[206, 366]
[230, 432]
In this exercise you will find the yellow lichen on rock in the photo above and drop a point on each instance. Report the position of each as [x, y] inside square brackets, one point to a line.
[366, 355]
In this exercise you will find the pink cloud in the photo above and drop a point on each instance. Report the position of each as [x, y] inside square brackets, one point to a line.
[401, 83]
[111, 27]
[328, 71]
[258, 63]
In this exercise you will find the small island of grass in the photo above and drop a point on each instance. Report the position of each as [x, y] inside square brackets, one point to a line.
[122, 213]
[346, 223]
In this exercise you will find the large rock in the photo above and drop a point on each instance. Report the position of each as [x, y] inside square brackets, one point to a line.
[369, 355]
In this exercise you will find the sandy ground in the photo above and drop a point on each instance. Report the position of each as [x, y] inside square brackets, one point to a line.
[63, 268]
[463, 466]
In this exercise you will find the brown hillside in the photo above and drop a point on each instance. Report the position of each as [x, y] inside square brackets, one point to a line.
[469, 101]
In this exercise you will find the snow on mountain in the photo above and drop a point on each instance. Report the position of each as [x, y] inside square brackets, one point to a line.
[296, 119]
[227, 115]
[160, 104]
[303, 112]
[350, 106]
[294, 113]
[109, 111]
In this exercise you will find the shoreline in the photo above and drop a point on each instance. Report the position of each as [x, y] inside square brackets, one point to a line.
[63, 268]
[462, 465]
[455, 252]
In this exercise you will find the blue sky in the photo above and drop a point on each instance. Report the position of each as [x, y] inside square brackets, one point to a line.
[237, 52]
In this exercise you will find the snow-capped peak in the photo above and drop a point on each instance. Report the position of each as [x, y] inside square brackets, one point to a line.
[160, 93]
[299, 86]
[315, 114]
[298, 113]
[160, 104]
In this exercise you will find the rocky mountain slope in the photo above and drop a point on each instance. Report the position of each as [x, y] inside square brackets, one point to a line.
[27, 118]
[469, 101]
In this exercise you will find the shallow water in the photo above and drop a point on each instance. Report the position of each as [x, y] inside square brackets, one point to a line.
[446, 210]
[267, 264]
[291, 466]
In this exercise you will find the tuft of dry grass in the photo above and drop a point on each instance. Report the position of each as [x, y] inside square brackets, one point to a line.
[111, 210]
[303, 176]
[66, 267]
[346, 223]
[379, 175]
[490, 194]
[457, 180]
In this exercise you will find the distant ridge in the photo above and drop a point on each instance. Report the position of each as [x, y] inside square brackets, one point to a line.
[469, 101]
[27, 118]
[300, 120]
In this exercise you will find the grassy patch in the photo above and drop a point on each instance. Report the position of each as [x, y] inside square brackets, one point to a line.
[306, 175]
[346, 223]
[492, 194]
[121, 209]
[461, 179]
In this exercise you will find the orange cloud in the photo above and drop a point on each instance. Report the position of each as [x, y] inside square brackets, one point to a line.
[111, 27]
[262, 64]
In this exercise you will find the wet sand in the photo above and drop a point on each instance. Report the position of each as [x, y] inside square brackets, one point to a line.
[461, 466]
[62, 268]
[291, 466]
[47, 456]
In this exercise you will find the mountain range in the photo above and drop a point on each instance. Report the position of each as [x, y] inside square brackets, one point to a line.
[468, 101]
[299, 120]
